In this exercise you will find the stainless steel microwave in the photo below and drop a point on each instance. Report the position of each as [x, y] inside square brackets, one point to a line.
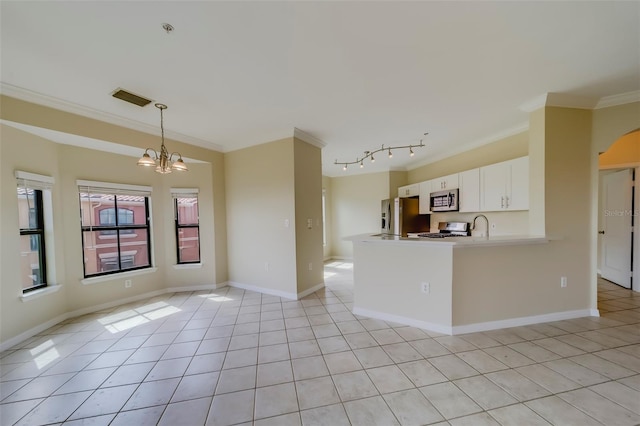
[444, 201]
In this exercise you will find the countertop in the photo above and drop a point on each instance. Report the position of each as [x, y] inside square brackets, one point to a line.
[455, 242]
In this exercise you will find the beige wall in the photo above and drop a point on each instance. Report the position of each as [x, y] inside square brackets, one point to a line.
[16, 150]
[502, 150]
[328, 218]
[67, 164]
[355, 208]
[308, 205]
[261, 217]
[528, 283]
[611, 123]
[272, 190]
[396, 180]
[569, 172]
[388, 279]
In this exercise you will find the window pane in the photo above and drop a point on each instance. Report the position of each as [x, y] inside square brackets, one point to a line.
[27, 209]
[187, 211]
[91, 208]
[100, 255]
[131, 210]
[189, 245]
[134, 250]
[30, 261]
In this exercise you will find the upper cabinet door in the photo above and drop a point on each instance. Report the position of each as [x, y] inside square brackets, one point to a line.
[425, 199]
[519, 184]
[493, 187]
[409, 190]
[444, 183]
[505, 186]
[469, 195]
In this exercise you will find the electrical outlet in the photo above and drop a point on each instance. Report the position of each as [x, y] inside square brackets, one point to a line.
[310, 266]
[563, 282]
[425, 288]
[127, 283]
[309, 223]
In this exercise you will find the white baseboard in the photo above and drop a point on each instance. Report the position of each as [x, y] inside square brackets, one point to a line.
[483, 326]
[342, 258]
[310, 290]
[517, 322]
[95, 308]
[16, 340]
[438, 328]
[114, 303]
[263, 290]
[196, 287]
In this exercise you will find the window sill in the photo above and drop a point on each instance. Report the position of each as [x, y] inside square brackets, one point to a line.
[188, 266]
[120, 275]
[36, 294]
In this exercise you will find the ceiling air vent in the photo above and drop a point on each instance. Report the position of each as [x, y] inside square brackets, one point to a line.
[130, 97]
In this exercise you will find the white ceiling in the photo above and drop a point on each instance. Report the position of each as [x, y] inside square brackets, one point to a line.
[354, 75]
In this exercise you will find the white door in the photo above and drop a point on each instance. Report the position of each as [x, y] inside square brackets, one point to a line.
[616, 239]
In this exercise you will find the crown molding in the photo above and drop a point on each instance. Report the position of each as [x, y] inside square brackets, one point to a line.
[472, 145]
[563, 100]
[621, 99]
[73, 108]
[580, 102]
[534, 104]
[306, 137]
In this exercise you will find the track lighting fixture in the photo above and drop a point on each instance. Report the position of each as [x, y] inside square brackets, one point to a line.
[389, 149]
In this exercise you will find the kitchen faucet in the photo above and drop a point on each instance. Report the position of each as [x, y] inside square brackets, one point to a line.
[473, 226]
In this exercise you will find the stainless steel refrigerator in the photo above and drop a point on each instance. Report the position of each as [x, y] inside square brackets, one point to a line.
[402, 215]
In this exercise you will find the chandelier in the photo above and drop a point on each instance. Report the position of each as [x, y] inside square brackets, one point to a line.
[163, 162]
[389, 149]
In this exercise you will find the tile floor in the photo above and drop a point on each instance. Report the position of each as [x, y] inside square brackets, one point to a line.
[236, 357]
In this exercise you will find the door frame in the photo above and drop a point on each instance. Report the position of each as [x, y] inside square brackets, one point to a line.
[635, 226]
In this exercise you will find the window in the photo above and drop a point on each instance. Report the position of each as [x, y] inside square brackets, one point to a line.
[32, 248]
[34, 193]
[108, 217]
[116, 232]
[185, 203]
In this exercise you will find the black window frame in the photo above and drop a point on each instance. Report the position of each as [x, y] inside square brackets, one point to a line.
[117, 229]
[179, 226]
[36, 228]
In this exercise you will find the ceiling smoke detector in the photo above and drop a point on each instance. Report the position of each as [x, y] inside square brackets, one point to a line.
[132, 98]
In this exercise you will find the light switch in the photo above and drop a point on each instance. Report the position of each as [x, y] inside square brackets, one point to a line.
[309, 223]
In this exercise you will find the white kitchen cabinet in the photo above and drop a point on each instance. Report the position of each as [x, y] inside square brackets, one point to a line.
[409, 190]
[444, 182]
[469, 194]
[425, 200]
[505, 186]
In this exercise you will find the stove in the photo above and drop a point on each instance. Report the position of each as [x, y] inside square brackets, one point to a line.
[449, 229]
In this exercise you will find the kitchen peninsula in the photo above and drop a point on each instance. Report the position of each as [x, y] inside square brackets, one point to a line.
[462, 285]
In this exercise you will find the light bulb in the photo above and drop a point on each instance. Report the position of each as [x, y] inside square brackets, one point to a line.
[361, 164]
[373, 160]
[390, 154]
[344, 167]
[411, 152]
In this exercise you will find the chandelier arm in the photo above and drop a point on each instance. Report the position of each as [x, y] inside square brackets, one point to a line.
[146, 151]
[175, 153]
